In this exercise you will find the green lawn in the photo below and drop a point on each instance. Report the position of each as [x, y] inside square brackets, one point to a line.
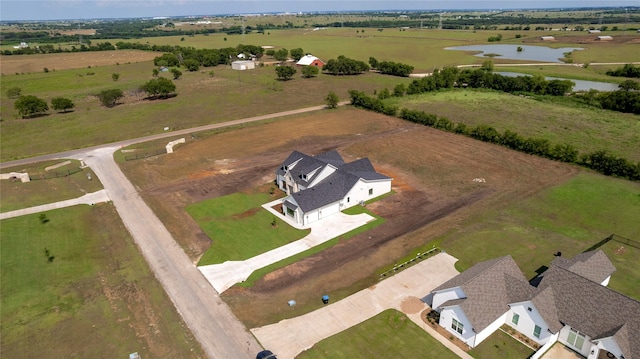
[569, 218]
[587, 129]
[389, 334]
[500, 345]
[17, 195]
[240, 228]
[76, 286]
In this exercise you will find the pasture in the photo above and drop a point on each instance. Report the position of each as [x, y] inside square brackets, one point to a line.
[75, 285]
[587, 129]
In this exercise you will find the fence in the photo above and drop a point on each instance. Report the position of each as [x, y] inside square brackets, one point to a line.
[625, 240]
[57, 174]
[398, 267]
[138, 156]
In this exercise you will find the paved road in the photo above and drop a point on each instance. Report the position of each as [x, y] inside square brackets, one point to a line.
[209, 318]
[89, 198]
[289, 337]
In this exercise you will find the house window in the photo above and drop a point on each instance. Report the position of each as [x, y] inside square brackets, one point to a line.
[515, 318]
[370, 191]
[457, 326]
[348, 199]
[536, 331]
[290, 211]
[575, 339]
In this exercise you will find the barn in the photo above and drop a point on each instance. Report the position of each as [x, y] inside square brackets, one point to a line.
[310, 60]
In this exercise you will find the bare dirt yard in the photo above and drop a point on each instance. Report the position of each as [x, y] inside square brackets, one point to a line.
[440, 179]
[35, 63]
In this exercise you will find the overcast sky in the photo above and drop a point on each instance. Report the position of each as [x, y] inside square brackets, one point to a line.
[91, 9]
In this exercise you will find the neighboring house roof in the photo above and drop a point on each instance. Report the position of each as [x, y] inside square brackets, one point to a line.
[593, 265]
[307, 60]
[489, 286]
[593, 309]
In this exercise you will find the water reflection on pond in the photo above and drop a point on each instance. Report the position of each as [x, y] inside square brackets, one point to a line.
[528, 53]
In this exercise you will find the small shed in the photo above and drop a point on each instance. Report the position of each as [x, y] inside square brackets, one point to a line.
[243, 65]
[547, 38]
[604, 38]
[596, 31]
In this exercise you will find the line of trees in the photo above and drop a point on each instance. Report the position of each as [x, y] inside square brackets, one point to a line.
[391, 68]
[628, 70]
[600, 161]
[31, 106]
[345, 66]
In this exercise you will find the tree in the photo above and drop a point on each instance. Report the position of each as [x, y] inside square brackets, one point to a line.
[331, 100]
[155, 72]
[192, 64]
[14, 92]
[281, 55]
[109, 98]
[115, 77]
[285, 72]
[399, 90]
[628, 85]
[309, 71]
[373, 62]
[29, 105]
[160, 87]
[345, 66]
[176, 73]
[297, 53]
[62, 104]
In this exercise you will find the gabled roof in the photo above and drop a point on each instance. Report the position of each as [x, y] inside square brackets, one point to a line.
[593, 309]
[593, 265]
[335, 186]
[307, 60]
[488, 287]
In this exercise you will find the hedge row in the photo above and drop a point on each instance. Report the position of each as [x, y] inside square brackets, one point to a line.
[600, 161]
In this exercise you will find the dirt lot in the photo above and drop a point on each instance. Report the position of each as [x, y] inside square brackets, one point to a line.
[433, 175]
[35, 63]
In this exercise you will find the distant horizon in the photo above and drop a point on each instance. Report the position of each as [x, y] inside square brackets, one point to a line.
[67, 10]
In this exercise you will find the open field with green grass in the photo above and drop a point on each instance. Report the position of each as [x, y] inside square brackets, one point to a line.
[76, 286]
[17, 195]
[389, 334]
[500, 345]
[587, 129]
[240, 228]
[569, 218]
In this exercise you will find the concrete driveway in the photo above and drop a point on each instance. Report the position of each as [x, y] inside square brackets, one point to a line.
[289, 337]
[89, 198]
[223, 276]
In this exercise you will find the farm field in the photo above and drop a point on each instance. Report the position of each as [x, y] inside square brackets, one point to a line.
[587, 129]
[76, 286]
[389, 334]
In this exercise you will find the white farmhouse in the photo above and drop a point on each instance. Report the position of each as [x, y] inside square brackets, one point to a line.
[322, 185]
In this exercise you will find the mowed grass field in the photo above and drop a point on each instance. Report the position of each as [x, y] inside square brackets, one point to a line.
[17, 195]
[76, 286]
[389, 334]
[587, 129]
[240, 228]
[569, 218]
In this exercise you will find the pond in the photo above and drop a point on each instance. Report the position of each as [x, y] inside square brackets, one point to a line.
[528, 53]
[580, 85]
